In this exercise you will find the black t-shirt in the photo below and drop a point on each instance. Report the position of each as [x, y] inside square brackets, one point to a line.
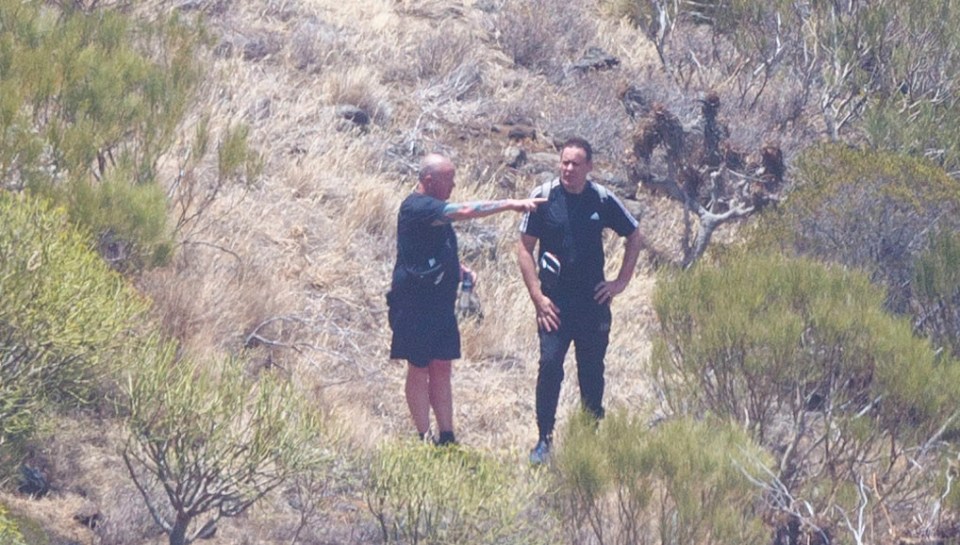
[427, 270]
[570, 226]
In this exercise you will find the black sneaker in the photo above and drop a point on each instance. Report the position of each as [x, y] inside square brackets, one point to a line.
[446, 438]
[540, 453]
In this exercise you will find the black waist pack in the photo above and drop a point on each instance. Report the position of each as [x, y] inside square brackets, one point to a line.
[549, 271]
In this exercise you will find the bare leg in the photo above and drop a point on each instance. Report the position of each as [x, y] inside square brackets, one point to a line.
[419, 396]
[441, 393]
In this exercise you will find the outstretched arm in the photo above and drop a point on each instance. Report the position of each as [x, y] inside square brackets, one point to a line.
[478, 209]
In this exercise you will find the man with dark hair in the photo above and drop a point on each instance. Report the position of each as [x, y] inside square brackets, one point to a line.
[570, 294]
[423, 292]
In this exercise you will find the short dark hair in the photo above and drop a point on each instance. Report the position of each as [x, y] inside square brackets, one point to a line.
[581, 143]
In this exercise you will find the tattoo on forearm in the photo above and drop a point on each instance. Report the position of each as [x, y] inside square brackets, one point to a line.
[467, 208]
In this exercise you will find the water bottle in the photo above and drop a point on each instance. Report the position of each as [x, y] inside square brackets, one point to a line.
[468, 304]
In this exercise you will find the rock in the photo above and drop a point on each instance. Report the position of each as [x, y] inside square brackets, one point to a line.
[354, 114]
[620, 185]
[595, 59]
[514, 157]
[260, 109]
[542, 162]
[88, 515]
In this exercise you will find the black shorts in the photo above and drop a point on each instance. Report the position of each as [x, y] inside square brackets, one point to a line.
[421, 334]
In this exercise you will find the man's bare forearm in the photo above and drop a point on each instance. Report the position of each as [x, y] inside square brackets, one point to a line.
[528, 266]
[631, 253]
[477, 209]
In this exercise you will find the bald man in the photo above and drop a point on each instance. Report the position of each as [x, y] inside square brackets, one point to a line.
[423, 292]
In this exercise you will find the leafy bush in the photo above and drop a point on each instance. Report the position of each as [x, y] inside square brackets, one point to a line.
[422, 494]
[9, 534]
[90, 102]
[207, 442]
[679, 482]
[65, 316]
[804, 357]
[872, 210]
[937, 285]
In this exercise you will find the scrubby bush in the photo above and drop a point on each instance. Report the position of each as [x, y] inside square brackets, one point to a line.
[682, 481]
[873, 210]
[422, 494]
[206, 441]
[9, 534]
[90, 102]
[937, 291]
[65, 317]
[804, 356]
[541, 35]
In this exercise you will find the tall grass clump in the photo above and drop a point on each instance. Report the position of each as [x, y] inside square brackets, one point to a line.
[681, 481]
[419, 493]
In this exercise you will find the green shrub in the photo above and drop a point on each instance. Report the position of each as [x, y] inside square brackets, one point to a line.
[763, 335]
[65, 316]
[9, 533]
[872, 210]
[419, 493]
[679, 482]
[91, 100]
[804, 356]
[937, 285]
[207, 441]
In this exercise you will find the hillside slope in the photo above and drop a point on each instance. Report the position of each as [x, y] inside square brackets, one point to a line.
[291, 271]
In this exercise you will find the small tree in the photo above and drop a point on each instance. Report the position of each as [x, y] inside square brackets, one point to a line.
[208, 442]
[697, 167]
[91, 101]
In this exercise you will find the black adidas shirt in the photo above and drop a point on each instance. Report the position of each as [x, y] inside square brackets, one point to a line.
[571, 227]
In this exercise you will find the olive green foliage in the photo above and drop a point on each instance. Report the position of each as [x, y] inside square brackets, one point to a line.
[207, 441]
[937, 291]
[681, 481]
[90, 101]
[192, 195]
[65, 316]
[9, 533]
[805, 357]
[873, 210]
[419, 493]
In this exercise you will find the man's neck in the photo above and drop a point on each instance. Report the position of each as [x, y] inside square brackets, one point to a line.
[570, 191]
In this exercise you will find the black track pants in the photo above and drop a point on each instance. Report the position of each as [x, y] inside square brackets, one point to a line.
[587, 326]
